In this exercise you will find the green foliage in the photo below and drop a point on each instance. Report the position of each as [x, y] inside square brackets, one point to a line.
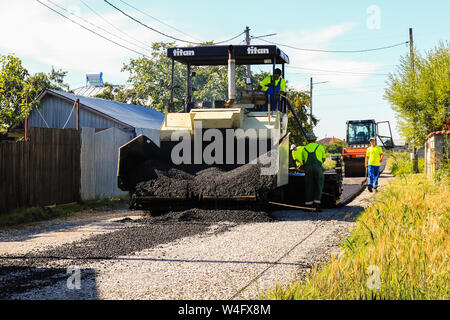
[335, 147]
[299, 101]
[53, 80]
[15, 92]
[399, 163]
[420, 96]
[18, 90]
[150, 80]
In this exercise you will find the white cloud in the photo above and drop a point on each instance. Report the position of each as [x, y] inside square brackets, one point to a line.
[48, 38]
[320, 39]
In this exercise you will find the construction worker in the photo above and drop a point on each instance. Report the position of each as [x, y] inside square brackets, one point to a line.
[297, 155]
[374, 156]
[280, 88]
[313, 156]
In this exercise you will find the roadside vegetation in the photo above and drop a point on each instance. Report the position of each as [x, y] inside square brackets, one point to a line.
[32, 214]
[399, 163]
[398, 249]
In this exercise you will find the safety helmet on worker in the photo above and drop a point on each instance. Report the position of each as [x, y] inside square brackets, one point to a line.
[310, 136]
[293, 146]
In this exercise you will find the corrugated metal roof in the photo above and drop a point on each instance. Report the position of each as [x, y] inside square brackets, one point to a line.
[133, 115]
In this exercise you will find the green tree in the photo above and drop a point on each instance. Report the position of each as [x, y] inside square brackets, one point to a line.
[15, 93]
[420, 96]
[150, 79]
[300, 102]
[335, 147]
[53, 80]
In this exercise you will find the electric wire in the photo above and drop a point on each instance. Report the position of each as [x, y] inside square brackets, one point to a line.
[337, 51]
[148, 27]
[96, 33]
[162, 22]
[338, 71]
[112, 25]
[240, 34]
[164, 34]
[94, 25]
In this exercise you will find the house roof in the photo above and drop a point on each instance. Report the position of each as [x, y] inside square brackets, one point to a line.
[437, 132]
[328, 140]
[129, 114]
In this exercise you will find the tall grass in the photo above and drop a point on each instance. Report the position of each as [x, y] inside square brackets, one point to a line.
[399, 163]
[399, 249]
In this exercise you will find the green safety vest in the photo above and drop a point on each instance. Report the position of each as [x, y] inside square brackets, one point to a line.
[310, 147]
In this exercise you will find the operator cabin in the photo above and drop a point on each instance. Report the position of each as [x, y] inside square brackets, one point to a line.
[256, 100]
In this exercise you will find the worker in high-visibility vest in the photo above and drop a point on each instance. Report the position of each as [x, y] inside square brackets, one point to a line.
[280, 89]
[374, 156]
[297, 155]
[313, 156]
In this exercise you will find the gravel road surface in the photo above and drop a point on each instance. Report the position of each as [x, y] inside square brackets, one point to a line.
[195, 254]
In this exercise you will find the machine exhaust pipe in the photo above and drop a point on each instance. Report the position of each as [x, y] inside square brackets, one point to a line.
[231, 78]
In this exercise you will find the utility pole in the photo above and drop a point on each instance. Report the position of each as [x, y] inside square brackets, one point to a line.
[310, 100]
[249, 71]
[411, 56]
[311, 97]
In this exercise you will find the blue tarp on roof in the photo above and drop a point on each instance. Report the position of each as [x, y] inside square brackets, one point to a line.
[133, 115]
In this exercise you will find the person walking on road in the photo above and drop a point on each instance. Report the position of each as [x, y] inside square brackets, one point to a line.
[374, 156]
[313, 156]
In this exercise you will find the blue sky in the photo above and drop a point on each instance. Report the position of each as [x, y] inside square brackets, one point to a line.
[43, 39]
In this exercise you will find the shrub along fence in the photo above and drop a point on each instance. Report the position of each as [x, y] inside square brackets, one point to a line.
[42, 171]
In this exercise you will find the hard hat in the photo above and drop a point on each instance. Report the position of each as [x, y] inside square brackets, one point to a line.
[293, 147]
[310, 136]
[372, 138]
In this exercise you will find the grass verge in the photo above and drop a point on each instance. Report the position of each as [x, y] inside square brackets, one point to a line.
[399, 163]
[31, 214]
[398, 249]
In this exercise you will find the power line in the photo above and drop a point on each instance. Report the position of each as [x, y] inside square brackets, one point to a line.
[162, 22]
[148, 27]
[338, 71]
[104, 30]
[337, 51]
[112, 41]
[240, 34]
[112, 25]
[334, 74]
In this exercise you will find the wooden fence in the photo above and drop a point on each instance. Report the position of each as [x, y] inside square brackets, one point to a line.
[42, 171]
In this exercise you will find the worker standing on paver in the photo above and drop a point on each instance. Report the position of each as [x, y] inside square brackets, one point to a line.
[374, 156]
[297, 155]
[313, 156]
[280, 88]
